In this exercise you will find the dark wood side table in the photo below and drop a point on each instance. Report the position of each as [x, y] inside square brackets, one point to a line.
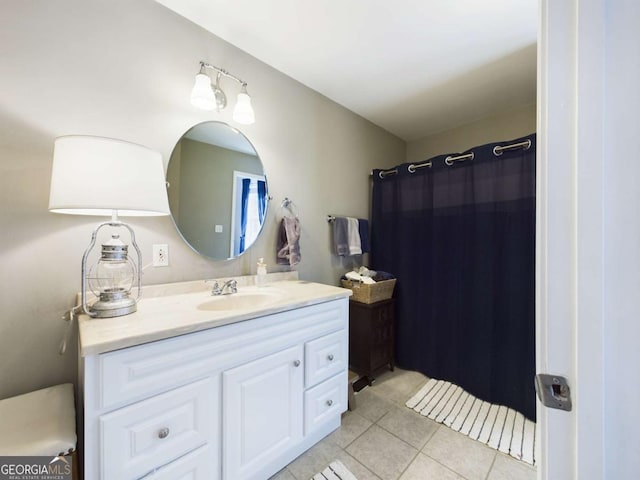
[371, 337]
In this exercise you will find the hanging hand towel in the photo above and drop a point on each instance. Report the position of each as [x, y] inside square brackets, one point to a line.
[292, 227]
[289, 242]
[340, 236]
[282, 248]
[353, 235]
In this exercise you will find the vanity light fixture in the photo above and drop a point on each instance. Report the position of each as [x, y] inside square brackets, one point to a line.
[104, 176]
[208, 96]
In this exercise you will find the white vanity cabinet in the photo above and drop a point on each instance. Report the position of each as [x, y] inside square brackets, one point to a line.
[239, 401]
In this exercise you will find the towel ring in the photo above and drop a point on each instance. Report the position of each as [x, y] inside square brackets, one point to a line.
[288, 204]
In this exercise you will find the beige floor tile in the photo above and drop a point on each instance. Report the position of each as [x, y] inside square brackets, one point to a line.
[283, 474]
[385, 455]
[408, 425]
[359, 471]
[314, 460]
[425, 468]
[399, 385]
[469, 458]
[507, 468]
[381, 439]
[353, 425]
[319, 457]
[372, 406]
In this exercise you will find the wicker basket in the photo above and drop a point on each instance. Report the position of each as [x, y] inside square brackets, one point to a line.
[370, 292]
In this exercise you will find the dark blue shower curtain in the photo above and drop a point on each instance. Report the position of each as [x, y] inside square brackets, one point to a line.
[461, 241]
[262, 200]
[244, 203]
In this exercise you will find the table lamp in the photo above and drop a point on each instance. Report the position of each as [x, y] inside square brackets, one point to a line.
[108, 177]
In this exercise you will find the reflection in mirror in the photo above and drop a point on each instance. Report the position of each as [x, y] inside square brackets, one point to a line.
[217, 190]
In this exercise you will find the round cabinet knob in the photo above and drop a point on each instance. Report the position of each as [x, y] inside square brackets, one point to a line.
[163, 433]
[330, 357]
[329, 403]
[296, 363]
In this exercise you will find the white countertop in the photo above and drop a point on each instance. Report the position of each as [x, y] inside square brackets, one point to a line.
[169, 310]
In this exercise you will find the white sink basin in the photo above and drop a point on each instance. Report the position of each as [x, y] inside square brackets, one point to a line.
[241, 300]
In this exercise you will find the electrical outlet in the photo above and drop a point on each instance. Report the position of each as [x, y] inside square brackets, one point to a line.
[161, 255]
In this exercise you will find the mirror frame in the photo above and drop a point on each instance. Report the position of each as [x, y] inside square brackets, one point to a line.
[267, 196]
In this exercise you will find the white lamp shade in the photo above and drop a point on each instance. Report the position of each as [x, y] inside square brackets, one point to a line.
[202, 95]
[97, 176]
[243, 112]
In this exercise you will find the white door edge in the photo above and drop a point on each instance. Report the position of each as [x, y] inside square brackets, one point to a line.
[569, 243]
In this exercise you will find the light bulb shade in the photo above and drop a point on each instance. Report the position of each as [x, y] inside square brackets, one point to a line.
[243, 112]
[202, 95]
[97, 176]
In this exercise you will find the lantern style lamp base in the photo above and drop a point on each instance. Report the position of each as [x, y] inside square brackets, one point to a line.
[113, 304]
[112, 277]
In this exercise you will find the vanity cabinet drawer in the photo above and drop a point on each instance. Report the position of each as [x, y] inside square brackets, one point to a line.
[325, 356]
[134, 373]
[324, 401]
[196, 465]
[146, 435]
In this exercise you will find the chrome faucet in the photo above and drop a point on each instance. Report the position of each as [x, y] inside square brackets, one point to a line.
[229, 287]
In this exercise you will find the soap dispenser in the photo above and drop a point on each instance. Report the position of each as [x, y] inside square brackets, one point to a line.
[261, 277]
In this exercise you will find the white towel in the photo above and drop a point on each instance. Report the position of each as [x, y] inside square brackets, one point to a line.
[353, 234]
[356, 277]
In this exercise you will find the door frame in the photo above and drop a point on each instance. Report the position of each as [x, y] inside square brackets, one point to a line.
[569, 234]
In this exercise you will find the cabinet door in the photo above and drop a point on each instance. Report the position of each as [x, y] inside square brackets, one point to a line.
[262, 412]
[382, 336]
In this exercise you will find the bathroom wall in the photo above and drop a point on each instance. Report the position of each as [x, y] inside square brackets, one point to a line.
[125, 70]
[506, 125]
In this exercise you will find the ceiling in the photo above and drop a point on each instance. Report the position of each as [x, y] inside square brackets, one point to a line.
[413, 67]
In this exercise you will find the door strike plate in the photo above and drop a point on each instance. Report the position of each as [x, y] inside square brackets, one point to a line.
[553, 391]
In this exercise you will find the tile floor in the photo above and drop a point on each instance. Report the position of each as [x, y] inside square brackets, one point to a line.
[384, 440]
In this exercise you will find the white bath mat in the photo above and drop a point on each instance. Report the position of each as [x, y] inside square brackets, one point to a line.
[335, 471]
[497, 426]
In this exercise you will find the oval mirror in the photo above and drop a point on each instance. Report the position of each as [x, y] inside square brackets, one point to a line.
[217, 190]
